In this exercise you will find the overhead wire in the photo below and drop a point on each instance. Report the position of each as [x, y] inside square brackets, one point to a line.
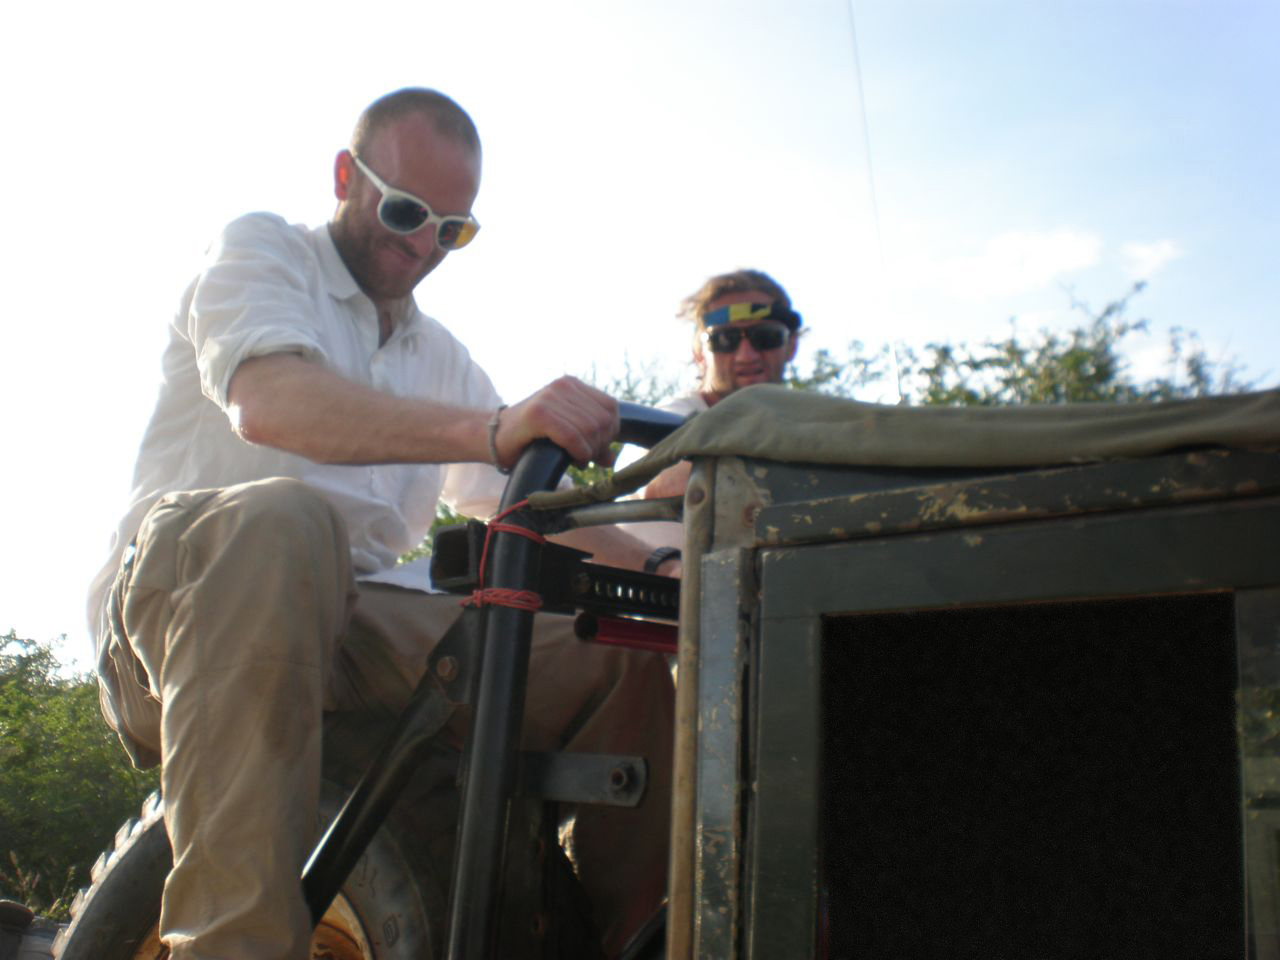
[871, 188]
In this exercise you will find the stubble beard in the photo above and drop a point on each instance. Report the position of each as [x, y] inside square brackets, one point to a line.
[360, 254]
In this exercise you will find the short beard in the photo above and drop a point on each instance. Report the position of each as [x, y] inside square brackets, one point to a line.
[358, 257]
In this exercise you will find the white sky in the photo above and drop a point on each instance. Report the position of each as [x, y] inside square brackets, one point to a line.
[632, 147]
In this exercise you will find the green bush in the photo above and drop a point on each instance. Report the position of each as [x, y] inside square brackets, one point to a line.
[65, 782]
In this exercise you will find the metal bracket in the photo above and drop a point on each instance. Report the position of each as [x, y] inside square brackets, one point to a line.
[598, 778]
[565, 580]
[454, 663]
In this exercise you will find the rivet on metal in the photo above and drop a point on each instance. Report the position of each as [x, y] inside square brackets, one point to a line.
[447, 668]
[620, 777]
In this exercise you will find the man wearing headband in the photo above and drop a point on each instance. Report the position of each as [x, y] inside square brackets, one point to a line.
[309, 419]
[744, 333]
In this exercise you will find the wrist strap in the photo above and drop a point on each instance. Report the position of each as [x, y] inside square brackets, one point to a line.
[659, 557]
[493, 439]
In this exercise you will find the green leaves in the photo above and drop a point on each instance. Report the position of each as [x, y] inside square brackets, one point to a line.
[1086, 364]
[65, 782]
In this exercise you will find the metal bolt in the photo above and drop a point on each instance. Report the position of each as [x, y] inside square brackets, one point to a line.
[620, 777]
[447, 668]
[697, 495]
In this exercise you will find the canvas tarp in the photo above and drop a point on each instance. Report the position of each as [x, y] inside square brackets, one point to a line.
[777, 423]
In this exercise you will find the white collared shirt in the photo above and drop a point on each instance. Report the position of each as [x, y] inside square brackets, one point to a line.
[270, 287]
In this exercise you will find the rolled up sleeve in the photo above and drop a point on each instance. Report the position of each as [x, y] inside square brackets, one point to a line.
[252, 299]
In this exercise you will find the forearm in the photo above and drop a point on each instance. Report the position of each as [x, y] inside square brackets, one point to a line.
[671, 482]
[284, 401]
[608, 545]
[614, 547]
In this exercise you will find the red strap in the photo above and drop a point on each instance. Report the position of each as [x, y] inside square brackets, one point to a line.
[484, 596]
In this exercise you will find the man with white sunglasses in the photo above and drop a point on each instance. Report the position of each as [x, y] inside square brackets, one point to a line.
[744, 332]
[309, 419]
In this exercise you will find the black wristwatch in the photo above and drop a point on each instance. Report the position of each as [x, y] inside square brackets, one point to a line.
[659, 557]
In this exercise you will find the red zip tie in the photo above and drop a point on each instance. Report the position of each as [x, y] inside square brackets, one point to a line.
[484, 596]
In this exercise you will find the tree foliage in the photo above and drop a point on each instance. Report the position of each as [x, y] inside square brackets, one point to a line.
[1085, 364]
[66, 784]
[647, 383]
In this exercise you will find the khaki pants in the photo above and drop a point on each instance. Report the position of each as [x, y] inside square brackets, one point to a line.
[238, 623]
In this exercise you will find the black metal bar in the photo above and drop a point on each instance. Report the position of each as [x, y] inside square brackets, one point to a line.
[455, 556]
[645, 426]
[493, 746]
[365, 810]
[495, 735]
[610, 591]
[564, 580]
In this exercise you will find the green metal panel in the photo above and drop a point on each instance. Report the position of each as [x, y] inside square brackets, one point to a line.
[1168, 550]
[1186, 523]
[782, 864]
[726, 584]
[1029, 495]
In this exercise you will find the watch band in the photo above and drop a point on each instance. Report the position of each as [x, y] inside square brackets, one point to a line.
[659, 557]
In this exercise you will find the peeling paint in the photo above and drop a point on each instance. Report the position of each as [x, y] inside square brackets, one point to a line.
[936, 507]
[973, 540]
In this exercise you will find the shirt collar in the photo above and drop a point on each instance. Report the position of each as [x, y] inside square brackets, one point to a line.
[342, 285]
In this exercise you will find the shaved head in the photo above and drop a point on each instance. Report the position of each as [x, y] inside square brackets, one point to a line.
[445, 115]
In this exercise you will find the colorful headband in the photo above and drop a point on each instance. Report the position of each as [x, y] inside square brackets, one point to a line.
[737, 312]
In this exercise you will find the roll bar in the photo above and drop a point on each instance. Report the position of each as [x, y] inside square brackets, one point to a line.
[494, 742]
[492, 747]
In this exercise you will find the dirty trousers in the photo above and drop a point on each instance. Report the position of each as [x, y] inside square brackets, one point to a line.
[237, 623]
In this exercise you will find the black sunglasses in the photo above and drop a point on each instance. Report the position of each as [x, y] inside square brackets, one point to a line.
[761, 336]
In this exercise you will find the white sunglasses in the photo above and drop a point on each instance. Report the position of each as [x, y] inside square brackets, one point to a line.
[404, 213]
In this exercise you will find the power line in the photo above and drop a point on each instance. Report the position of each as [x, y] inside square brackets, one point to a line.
[871, 186]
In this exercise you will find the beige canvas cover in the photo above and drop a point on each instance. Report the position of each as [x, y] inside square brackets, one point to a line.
[777, 423]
